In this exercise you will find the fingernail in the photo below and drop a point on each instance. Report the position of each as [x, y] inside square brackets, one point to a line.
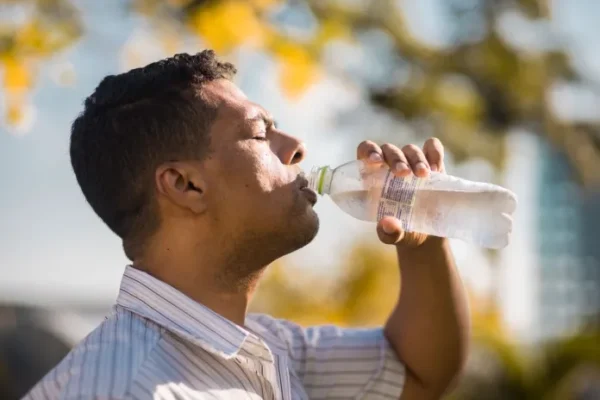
[375, 157]
[401, 167]
[387, 229]
[433, 167]
[421, 166]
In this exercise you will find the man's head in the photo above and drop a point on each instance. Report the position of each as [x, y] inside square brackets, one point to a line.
[175, 153]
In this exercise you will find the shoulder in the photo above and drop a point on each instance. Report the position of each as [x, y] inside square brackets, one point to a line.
[291, 332]
[283, 331]
[296, 339]
[105, 363]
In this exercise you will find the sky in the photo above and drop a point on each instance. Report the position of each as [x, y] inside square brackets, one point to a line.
[54, 250]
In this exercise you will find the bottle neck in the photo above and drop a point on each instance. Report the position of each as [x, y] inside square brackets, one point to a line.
[319, 179]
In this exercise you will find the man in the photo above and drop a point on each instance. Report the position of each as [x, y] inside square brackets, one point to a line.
[205, 192]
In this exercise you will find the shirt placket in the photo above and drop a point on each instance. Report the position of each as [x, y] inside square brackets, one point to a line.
[259, 359]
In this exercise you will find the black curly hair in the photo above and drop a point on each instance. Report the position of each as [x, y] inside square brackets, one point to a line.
[131, 124]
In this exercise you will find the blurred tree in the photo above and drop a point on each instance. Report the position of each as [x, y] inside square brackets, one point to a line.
[480, 83]
[31, 31]
[567, 368]
[469, 92]
[363, 292]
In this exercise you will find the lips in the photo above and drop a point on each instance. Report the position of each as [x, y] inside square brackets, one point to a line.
[310, 194]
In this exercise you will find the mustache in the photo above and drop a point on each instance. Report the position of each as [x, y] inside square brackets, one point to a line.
[298, 177]
[301, 181]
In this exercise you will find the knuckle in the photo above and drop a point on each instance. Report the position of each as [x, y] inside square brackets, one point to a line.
[411, 148]
[367, 147]
[391, 152]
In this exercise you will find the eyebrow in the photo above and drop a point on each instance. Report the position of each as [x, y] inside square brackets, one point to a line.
[266, 118]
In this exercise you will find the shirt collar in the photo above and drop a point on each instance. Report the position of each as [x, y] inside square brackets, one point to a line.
[155, 300]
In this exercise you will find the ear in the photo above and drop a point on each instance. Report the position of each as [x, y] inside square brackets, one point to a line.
[182, 184]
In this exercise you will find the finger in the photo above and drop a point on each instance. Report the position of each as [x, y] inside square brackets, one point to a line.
[369, 151]
[390, 231]
[396, 160]
[417, 160]
[434, 152]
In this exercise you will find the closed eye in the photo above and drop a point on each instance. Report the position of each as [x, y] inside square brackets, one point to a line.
[260, 138]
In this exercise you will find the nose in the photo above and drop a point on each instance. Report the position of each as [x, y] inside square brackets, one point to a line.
[292, 150]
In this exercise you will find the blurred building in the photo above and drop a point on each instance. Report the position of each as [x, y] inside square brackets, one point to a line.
[550, 274]
[569, 228]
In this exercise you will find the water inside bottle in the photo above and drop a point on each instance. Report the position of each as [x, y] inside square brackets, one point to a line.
[357, 204]
[481, 217]
[440, 205]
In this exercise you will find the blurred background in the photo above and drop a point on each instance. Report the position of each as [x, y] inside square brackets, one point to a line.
[512, 88]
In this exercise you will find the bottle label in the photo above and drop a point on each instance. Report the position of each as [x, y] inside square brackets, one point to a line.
[398, 197]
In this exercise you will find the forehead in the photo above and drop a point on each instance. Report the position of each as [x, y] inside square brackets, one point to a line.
[233, 107]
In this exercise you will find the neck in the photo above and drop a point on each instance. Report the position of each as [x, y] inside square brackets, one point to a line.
[217, 281]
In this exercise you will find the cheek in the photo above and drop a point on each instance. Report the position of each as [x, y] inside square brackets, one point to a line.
[268, 171]
[250, 169]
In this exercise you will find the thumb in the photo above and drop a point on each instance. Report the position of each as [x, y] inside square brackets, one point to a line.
[390, 230]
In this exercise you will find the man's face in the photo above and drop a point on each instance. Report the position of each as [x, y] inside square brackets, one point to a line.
[254, 191]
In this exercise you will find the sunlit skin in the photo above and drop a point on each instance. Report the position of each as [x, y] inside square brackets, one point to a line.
[226, 218]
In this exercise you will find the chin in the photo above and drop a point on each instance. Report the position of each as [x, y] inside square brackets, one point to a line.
[302, 230]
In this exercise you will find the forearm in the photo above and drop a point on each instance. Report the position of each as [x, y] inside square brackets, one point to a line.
[429, 328]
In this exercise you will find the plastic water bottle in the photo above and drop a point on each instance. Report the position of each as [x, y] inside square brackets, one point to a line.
[439, 205]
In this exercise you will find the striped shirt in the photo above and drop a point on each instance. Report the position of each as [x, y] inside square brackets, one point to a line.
[158, 343]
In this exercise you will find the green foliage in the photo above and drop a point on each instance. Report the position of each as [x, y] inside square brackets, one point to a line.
[469, 92]
[363, 291]
[50, 27]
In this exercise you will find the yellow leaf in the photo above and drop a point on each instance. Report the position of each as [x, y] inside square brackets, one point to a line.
[458, 97]
[19, 113]
[264, 4]
[332, 29]
[16, 75]
[31, 37]
[228, 24]
[298, 69]
[14, 114]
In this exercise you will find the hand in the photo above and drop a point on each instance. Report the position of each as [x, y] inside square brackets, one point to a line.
[403, 162]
